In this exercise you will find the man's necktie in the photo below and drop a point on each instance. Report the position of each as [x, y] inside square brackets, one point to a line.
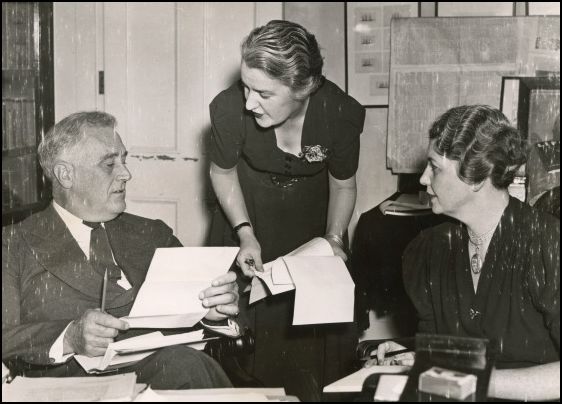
[100, 252]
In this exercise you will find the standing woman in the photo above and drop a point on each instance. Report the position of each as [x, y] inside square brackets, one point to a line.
[284, 152]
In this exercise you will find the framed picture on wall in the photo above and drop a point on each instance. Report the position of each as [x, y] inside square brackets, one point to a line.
[472, 9]
[533, 105]
[368, 48]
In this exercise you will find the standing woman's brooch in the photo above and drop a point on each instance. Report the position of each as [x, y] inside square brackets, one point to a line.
[315, 154]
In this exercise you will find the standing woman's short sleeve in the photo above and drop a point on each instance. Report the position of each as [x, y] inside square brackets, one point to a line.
[350, 117]
[227, 123]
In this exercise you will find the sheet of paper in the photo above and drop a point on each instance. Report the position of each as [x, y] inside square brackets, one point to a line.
[354, 382]
[133, 349]
[324, 290]
[155, 340]
[280, 273]
[109, 388]
[390, 387]
[258, 290]
[94, 364]
[171, 321]
[168, 297]
[318, 246]
[276, 278]
[206, 395]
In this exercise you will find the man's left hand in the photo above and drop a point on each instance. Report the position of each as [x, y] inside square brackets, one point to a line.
[221, 298]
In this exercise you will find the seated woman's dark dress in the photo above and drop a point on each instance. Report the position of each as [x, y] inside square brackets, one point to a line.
[517, 302]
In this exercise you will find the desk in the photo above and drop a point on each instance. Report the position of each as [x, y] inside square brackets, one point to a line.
[376, 264]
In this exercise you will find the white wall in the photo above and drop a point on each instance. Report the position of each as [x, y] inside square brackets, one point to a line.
[163, 64]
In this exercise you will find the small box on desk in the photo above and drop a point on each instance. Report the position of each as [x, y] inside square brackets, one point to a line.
[447, 383]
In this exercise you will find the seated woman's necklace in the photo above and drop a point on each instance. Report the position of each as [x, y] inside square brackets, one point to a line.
[479, 242]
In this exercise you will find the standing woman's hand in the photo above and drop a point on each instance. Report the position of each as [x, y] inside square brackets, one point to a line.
[249, 257]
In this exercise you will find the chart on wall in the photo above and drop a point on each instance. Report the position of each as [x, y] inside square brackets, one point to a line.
[368, 48]
[438, 63]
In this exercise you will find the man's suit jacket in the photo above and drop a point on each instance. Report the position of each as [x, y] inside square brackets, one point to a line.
[47, 280]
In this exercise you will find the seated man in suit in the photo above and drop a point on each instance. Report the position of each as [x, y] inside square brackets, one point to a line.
[52, 267]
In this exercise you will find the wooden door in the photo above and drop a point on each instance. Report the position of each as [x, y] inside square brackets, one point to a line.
[163, 63]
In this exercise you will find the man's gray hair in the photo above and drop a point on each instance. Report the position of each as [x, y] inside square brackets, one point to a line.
[67, 133]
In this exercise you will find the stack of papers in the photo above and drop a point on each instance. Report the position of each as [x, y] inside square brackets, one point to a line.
[324, 288]
[131, 350]
[213, 395]
[169, 296]
[109, 388]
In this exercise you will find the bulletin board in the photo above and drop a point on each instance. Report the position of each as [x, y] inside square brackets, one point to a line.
[438, 63]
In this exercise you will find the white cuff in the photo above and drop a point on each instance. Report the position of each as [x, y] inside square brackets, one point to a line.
[56, 353]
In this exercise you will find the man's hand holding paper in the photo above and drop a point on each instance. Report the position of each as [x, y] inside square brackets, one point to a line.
[92, 333]
[221, 298]
[176, 290]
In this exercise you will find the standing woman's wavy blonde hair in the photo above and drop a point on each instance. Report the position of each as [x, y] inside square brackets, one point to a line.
[287, 52]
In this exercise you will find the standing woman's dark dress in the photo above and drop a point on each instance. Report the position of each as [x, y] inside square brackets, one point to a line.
[287, 201]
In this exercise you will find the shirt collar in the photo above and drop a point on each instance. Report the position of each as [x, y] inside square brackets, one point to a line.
[79, 230]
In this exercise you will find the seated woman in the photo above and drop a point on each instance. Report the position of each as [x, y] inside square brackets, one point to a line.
[496, 274]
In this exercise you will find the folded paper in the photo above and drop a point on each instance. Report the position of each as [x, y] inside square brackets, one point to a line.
[169, 296]
[324, 288]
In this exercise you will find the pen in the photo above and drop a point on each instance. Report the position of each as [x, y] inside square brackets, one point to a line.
[389, 354]
[103, 290]
[250, 262]
[394, 353]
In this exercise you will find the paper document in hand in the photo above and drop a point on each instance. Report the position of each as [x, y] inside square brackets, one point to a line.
[169, 296]
[133, 349]
[33, 389]
[324, 290]
[276, 275]
[354, 382]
